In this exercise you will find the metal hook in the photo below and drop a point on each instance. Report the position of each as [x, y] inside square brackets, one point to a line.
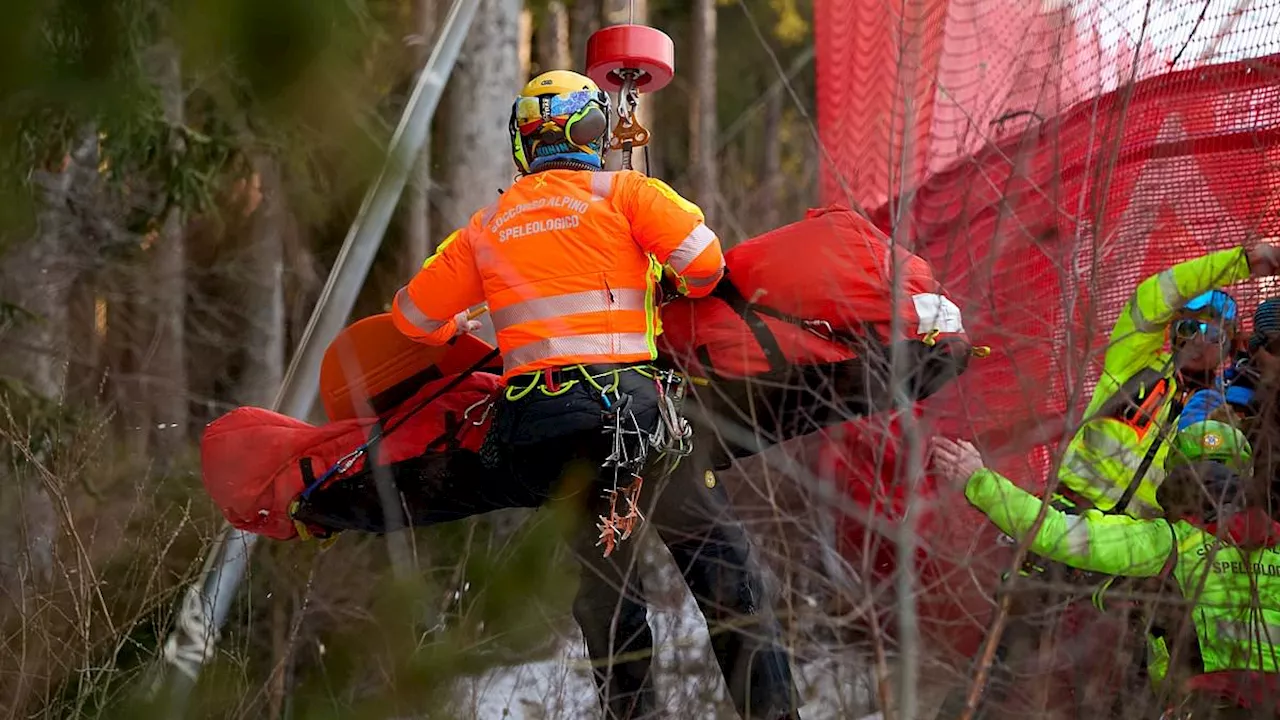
[629, 133]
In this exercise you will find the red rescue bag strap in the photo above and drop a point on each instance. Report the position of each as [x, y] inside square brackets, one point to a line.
[380, 431]
[750, 313]
[728, 292]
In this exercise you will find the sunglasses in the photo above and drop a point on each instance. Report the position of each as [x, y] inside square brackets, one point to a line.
[1191, 329]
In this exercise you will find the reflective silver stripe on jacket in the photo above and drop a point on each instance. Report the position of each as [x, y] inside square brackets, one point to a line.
[588, 301]
[409, 311]
[1249, 632]
[594, 344]
[704, 282]
[1085, 469]
[602, 185]
[1077, 537]
[1167, 282]
[1102, 443]
[691, 247]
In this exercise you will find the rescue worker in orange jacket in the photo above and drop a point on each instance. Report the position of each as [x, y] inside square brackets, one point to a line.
[570, 261]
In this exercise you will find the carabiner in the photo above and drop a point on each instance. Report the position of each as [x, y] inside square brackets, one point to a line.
[483, 416]
[821, 328]
[347, 461]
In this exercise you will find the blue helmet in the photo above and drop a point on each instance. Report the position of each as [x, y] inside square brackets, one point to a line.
[1211, 316]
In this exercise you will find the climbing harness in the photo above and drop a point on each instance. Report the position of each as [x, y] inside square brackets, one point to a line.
[634, 451]
[671, 440]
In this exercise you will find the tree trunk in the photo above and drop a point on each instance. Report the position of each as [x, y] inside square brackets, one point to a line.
[85, 328]
[263, 284]
[524, 34]
[418, 242]
[34, 286]
[36, 279]
[553, 38]
[475, 163]
[36, 282]
[584, 19]
[771, 164]
[702, 115]
[167, 372]
[128, 342]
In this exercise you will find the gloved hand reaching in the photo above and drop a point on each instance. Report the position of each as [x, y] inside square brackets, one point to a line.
[464, 323]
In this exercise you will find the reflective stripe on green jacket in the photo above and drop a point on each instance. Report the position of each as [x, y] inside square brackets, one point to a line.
[1106, 452]
[1234, 632]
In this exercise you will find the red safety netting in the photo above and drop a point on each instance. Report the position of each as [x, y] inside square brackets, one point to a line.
[1055, 161]
[935, 80]
[1043, 236]
[1042, 224]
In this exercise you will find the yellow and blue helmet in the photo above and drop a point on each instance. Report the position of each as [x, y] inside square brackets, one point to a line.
[559, 120]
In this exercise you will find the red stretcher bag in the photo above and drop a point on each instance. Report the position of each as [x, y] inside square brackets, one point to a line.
[807, 293]
[256, 462]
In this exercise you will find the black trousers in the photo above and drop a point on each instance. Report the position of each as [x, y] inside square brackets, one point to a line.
[748, 415]
[695, 521]
[550, 448]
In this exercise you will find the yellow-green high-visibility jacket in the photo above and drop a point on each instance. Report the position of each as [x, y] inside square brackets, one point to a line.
[1107, 451]
[1233, 631]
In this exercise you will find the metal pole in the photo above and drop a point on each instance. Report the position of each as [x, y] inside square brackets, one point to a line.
[298, 392]
[208, 601]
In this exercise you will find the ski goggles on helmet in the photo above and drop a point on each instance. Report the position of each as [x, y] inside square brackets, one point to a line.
[533, 113]
[1214, 317]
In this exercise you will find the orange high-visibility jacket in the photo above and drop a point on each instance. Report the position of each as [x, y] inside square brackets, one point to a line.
[568, 262]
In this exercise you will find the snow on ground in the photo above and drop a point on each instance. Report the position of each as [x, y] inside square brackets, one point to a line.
[686, 676]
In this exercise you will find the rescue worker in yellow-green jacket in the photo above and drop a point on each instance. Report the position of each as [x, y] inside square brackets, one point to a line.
[1115, 460]
[1215, 654]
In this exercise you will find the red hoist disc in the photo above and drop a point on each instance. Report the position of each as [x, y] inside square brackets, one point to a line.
[627, 59]
[631, 47]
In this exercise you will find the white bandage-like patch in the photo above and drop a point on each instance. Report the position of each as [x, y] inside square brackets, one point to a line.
[936, 312]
